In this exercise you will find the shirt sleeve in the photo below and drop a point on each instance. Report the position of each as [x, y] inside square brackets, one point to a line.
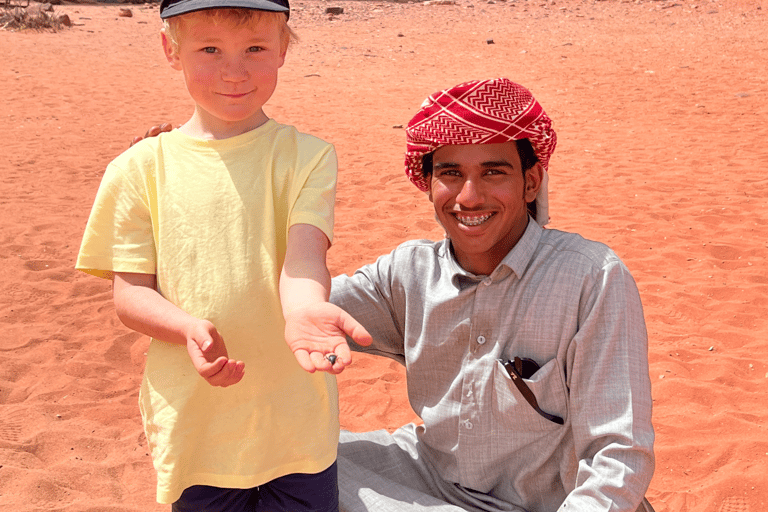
[315, 201]
[118, 236]
[610, 396]
[368, 296]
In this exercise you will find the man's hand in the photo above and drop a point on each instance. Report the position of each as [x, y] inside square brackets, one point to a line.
[316, 331]
[153, 132]
[209, 356]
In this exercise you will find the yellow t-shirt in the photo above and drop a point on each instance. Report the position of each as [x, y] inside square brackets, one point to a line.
[210, 219]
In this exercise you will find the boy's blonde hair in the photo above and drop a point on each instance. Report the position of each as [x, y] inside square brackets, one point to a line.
[236, 18]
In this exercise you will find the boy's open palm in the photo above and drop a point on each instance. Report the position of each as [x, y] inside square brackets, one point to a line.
[315, 331]
[209, 356]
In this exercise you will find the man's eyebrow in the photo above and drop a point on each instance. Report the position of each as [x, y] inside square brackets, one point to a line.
[490, 163]
[497, 163]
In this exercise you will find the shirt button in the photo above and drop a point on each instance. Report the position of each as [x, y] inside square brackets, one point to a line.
[481, 339]
[468, 425]
[487, 281]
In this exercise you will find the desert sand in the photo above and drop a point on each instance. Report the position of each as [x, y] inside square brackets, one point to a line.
[660, 108]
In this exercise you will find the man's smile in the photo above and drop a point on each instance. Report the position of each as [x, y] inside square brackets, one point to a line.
[472, 220]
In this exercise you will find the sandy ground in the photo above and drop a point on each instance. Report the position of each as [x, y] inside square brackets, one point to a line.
[660, 107]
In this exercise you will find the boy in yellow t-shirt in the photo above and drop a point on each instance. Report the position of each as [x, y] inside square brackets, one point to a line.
[215, 237]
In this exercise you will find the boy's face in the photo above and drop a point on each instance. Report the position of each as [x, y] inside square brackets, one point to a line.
[230, 72]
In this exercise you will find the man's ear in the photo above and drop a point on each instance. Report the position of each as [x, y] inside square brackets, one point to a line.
[171, 51]
[533, 178]
[429, 189]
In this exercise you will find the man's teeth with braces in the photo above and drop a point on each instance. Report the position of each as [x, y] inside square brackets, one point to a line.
[473, 221]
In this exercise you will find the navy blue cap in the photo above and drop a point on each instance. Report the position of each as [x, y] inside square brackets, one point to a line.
[170, 8]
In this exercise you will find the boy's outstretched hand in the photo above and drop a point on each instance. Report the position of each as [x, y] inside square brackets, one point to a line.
[209, 356]
[317, 332]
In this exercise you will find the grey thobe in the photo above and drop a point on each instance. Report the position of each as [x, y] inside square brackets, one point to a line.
[569, 304]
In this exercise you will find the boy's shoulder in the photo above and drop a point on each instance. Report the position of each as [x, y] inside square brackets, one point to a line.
[302, 138]
[145, 152]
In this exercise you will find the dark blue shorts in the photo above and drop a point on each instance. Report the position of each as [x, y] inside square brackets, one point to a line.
[298, 492]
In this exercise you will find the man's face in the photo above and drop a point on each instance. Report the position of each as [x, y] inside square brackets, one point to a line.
[480, 196]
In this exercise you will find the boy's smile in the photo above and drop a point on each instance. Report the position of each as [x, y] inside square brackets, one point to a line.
[230, 72]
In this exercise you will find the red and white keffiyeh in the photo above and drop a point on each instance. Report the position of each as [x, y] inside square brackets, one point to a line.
[480, 112]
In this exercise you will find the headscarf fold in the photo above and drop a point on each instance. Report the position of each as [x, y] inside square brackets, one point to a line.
[480, 112]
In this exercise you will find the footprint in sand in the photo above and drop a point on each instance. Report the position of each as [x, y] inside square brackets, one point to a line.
[734, 504]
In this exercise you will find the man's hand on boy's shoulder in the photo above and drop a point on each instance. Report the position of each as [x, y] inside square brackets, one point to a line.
[209, 356]
[316, 334]
[153, 132]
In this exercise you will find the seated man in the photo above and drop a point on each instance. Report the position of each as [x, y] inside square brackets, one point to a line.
[525, 348]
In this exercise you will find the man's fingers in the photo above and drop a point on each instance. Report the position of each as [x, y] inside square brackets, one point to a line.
[158, 129]
[153, 132]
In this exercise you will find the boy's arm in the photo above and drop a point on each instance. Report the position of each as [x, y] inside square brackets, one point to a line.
[141, 308]
[313, 326]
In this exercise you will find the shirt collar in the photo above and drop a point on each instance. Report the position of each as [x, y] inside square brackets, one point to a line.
[516, 261]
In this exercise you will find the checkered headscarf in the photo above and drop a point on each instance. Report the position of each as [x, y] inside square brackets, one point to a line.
[480, 112]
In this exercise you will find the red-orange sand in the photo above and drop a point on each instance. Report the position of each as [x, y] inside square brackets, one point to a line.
[660, 108]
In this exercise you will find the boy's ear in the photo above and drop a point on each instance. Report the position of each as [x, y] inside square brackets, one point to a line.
[171, 51]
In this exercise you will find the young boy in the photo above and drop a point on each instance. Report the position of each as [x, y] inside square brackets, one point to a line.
[215, 236]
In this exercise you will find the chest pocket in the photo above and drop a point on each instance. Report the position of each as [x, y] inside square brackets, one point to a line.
[513, 410]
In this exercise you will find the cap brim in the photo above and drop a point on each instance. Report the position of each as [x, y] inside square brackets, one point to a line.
[200, 5]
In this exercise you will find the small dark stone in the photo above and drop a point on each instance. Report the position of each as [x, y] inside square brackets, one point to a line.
[334, 10]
